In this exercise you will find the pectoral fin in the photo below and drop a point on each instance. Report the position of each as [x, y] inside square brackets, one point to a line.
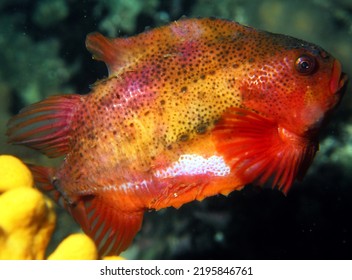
[259, 150]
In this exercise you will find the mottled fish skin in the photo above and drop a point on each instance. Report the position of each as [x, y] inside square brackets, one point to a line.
[189, 110]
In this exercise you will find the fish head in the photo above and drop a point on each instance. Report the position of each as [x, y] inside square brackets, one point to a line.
[296, 84]
[288, 88]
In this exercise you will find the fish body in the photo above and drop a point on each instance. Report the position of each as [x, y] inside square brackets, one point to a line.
[189, 110]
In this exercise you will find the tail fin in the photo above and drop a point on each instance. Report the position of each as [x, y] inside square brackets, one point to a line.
[46, 125]
[102, 217]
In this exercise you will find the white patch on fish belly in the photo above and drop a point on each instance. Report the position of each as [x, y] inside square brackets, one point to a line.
[191, 164]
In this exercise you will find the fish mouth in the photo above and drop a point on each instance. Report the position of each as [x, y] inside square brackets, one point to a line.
[338, 80]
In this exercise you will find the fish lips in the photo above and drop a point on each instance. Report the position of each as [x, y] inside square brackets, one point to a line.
[338, 80]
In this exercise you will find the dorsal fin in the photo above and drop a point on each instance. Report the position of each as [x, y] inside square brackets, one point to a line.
[116, 53]
[164, 41]
[104, 49]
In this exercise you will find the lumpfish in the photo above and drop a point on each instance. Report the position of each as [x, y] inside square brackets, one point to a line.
[193, 109]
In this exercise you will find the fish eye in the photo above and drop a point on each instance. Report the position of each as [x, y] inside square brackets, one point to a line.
[305, 64]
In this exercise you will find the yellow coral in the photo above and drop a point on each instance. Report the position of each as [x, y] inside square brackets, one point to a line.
[27, 219]
[75, 247]
[113, 258]
[78, 246]
[13, 173]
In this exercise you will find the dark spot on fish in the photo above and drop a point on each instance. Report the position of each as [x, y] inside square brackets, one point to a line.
[169, 147]
[162, 102]
[217, 121]
[183, 137]
[131, 125]
[184, 89]
[146, 113]
[251, 60]
[90, 136]
[235, 65]
[232, 81]
[201, 129]
[202, 76]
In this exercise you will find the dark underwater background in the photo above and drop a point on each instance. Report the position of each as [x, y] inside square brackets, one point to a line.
[42, 53]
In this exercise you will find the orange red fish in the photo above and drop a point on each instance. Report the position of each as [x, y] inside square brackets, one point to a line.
[189, 110]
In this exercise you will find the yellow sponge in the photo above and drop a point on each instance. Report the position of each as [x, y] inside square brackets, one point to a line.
[13, 173]
[77, 246]
[27, 221]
